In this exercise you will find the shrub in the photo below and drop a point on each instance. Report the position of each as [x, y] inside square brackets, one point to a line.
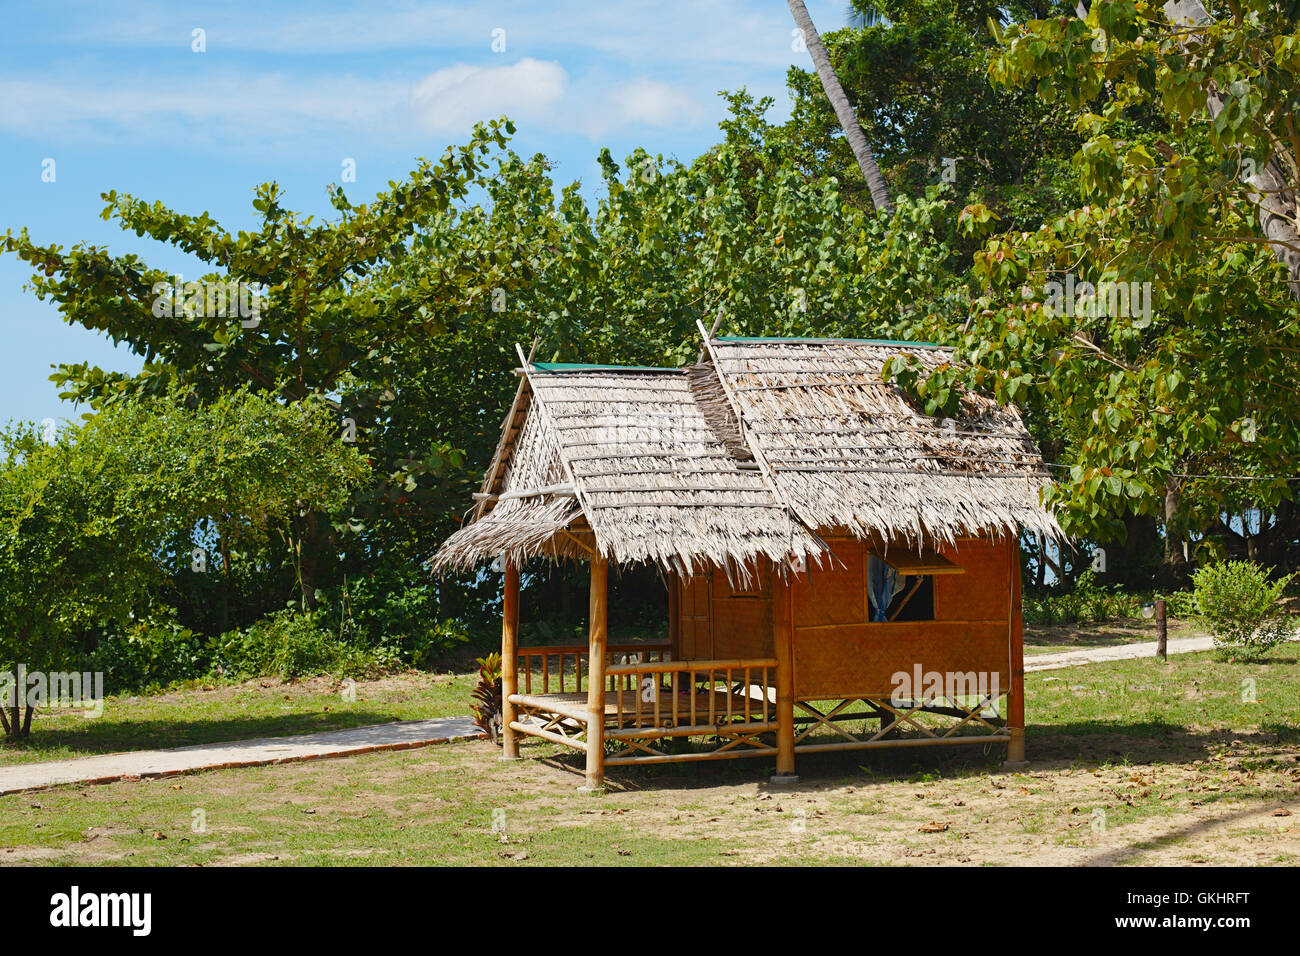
[1086, 603]
[487, 695]
[1239, 607]
[1180, 604]
[154, 652]
[292, 645]
[399, 609]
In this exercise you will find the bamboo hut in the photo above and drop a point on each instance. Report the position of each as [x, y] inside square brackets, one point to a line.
[843, 570]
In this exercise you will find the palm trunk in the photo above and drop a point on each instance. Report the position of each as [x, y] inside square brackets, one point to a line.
[843, 110]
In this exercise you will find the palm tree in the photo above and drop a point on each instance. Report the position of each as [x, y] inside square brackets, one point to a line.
[843, 110]
[1274, 194]
[861, 16]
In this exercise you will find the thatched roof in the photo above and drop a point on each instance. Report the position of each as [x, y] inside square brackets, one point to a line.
[749, 454]
[849, 452]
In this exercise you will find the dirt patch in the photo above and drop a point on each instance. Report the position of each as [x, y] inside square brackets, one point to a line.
[1242, 808]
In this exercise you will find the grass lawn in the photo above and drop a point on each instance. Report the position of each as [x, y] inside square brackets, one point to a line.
[1190, 761]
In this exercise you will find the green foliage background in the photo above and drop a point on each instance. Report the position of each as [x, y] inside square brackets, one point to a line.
[1022, 144]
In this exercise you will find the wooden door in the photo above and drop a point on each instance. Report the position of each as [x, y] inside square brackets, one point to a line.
[695, 637]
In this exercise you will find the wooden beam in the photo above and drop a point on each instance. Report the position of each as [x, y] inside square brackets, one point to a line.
[1016, 648]
[597, 643]
[674, 614]
[907, 597]
[535, 731]
[559, 491]
[509, 660]
[783, 639]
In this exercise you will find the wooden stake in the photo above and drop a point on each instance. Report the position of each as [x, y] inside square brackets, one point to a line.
[783, 638]
[509, 661]
[1162, 631]
[1016, 693]
[597, 642]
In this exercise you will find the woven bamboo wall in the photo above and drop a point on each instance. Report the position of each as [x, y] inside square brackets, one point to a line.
[719, 620]
[838, 651]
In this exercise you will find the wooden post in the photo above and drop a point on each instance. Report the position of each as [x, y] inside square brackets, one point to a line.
[509, 660]
[783, 643]
[597, 641]
[1016, 695]
[1162, 631]
[674, 615]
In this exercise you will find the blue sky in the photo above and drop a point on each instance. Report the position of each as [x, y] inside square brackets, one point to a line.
[118, 98]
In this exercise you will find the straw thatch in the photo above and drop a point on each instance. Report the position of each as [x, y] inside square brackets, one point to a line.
[849, 452]
[650, 476]
[748, 455]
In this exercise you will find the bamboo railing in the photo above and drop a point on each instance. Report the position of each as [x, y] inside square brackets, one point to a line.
[728, 700]
[563, 668]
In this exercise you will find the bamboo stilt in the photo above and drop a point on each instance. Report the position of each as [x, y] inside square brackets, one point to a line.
[509, 661]
[596, 674]
[1016, 693]
[783, 639]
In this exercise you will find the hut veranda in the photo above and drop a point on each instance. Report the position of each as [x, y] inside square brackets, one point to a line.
[843, 570]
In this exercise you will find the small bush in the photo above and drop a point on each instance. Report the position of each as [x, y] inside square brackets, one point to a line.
[153, 653]
[399, 609]
[1086, 603]
[1180, 604]
[487, 695]
[292, 645]
[1239, 607]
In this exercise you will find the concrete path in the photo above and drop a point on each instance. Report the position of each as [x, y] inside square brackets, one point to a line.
[399, 735]
[1118, 652]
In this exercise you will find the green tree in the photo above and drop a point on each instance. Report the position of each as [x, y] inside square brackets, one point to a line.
[94, 518]
[1152, 325]
[323, 325]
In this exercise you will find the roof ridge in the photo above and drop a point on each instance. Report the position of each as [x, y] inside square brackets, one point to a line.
[798, 340]
[569, 367]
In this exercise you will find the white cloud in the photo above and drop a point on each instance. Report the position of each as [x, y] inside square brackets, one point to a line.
[646, 102]
[453, 99]
[570, 67]
[248, 112]
[230, 108]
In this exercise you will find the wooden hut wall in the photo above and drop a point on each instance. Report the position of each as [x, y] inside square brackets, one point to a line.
[717, 619]
[840, 652]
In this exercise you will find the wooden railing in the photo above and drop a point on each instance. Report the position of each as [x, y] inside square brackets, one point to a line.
[563, 668]
[728, 700]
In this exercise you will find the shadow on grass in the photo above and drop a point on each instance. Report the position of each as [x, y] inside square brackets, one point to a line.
[102, 736]
[1082, 745]
[1255, 803]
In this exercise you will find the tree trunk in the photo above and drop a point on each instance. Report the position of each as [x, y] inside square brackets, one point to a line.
[223, 622]
[1173, 569]
[308, 558]
[1274, 196]
[843, 110]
